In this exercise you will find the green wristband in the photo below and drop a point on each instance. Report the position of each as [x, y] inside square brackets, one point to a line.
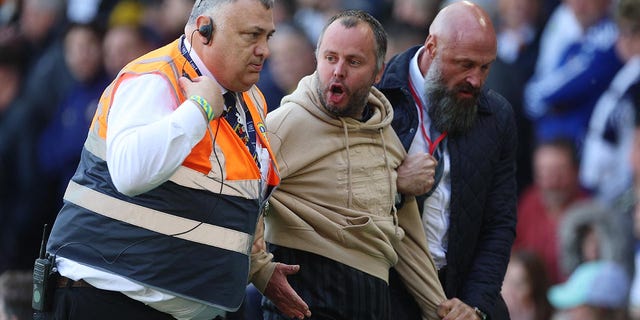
[204, 104]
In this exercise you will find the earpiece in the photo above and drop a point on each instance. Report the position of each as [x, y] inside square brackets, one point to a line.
[207, 31]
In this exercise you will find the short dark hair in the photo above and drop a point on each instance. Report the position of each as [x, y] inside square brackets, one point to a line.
[351, 18]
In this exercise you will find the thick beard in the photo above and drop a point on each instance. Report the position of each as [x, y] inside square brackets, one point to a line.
[355, 105]
[447, 112]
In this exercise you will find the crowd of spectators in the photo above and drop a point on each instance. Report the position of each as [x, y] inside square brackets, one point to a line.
[569, 68]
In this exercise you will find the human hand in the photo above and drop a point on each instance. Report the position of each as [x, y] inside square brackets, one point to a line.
[454, 309]
[207, 88]
[416, 174]
[283, 296]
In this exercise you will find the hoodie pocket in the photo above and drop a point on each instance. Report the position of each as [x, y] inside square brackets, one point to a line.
[369, 236]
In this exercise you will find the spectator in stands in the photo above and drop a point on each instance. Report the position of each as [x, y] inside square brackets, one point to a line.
[591, 231]
[559, 31]
[560, 101]
[173, 14]
[12, 65]
[634, 158]
[292, 57]
[525, 287]
[402, 36]
[596, 290]
[311, 15]
[604, 168]
[543, 205]
[60, 144]
[518, 31]
[122, 44]
[46, 81]
[415, 13]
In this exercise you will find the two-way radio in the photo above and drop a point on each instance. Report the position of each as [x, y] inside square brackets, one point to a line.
[43, 278]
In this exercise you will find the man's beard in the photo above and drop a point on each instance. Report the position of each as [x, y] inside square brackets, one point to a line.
[355, 106]
[447, 112]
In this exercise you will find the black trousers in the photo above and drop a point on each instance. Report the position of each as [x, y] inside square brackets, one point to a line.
[89, 303]
[333, 291]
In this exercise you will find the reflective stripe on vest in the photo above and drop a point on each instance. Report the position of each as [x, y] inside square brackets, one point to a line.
[158, 221]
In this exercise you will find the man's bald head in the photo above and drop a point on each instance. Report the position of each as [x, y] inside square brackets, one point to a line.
[455, 63]
[463, 22]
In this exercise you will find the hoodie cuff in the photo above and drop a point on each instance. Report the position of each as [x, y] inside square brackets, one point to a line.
[261, 270]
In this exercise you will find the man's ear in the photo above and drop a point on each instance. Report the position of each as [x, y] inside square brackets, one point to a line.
[205, 28]
[430, 46]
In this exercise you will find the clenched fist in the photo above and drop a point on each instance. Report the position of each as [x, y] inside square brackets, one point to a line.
[207, 88]
[416, 174]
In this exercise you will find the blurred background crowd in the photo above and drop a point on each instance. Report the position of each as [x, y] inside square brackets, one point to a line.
[570, 68]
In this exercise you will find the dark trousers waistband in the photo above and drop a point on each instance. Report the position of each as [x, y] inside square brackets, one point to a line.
[78, 300]
[64, 282]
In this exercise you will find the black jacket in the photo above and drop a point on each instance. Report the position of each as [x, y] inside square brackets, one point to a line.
[483, 191]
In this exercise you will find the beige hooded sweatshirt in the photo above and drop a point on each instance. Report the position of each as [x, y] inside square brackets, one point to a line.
[337, 192]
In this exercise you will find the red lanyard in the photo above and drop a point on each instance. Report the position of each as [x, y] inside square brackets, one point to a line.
[432, 145]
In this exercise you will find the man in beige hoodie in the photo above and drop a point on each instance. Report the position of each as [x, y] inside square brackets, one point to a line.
[334, 212]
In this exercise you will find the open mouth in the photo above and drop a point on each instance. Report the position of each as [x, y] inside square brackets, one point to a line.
[465, 93]
[336, 93]
[336, 89]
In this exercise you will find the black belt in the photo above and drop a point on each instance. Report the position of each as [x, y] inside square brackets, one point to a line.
[64, 282]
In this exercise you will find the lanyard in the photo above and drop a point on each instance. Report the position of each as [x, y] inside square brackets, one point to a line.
[185, 53]
[432, 145]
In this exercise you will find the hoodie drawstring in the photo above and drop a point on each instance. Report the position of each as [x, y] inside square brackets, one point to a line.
[346, 142]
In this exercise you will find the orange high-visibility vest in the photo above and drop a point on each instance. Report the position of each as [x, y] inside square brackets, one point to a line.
[192, 235]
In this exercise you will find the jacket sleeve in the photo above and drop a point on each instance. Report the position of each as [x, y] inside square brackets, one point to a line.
[497, 232]
[262, 265]
[415, 265]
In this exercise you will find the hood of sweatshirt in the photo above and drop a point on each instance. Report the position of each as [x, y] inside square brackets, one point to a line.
[306, 96]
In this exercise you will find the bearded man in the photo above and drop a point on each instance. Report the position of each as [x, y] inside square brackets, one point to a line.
[442, 110]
